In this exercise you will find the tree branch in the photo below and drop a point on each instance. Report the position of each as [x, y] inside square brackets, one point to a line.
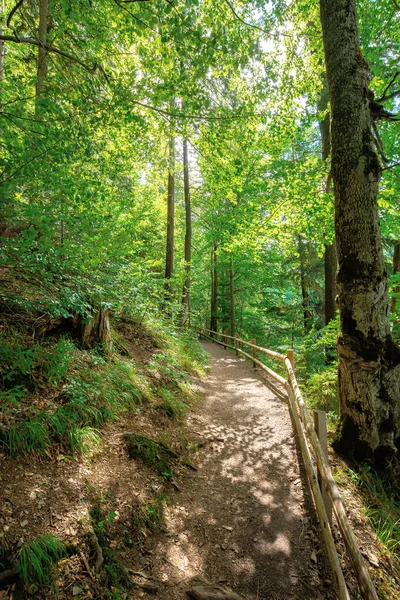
[391, 166]
[184, 116]
[389, 85]
[27, 40]
[239, 18]
[12, 13]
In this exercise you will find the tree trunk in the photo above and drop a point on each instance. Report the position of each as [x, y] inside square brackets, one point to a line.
[396, 269]
[2, 46]
[98, 331]
[214, 289]
[307, 314]
[169, 257]
[330, 268]
[232, 298]
[369, 369]
[42, 63]
[188, 237]
[330, 256]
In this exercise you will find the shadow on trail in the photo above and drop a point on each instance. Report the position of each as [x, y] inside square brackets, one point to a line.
[246, 521]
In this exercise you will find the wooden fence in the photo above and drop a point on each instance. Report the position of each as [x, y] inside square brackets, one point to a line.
[323, 487]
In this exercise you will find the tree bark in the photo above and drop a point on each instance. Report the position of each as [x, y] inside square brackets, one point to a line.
[396, 269]
[188, 237]
[214, 289]
[42, 63]
[330, 268]
[98, 331]
[169, 257]
[2, 47]
[307, 314]
[369, 369]
[330, 255]
[232, 298]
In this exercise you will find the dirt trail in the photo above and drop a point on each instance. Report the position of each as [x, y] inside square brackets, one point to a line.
[245, 519]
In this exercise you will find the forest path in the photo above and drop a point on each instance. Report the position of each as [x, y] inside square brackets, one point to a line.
[244, 520]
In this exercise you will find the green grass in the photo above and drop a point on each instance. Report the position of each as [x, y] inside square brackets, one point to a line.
[96, 391]
[150, 515]
[151, 453]
[36, 559]
[171, 405]
[92, 390]
[381, 505]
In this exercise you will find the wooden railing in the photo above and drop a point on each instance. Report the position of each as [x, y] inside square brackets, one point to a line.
[323, 487]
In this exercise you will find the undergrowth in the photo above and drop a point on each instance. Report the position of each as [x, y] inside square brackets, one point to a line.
[115, 573]
[150, 515]
[381, 505]
[37, 558]
[51, 392]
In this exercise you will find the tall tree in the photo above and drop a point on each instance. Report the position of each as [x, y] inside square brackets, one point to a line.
[169, 254]
[396, 270]
[214, 288]
[232, 298]
[330, 255]
[369, 361]
[188, 236]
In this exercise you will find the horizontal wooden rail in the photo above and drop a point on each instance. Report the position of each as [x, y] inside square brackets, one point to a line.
[307, 435]
[270, 372]
[270, 353]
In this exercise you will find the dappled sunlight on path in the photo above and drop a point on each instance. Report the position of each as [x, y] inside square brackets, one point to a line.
[244, 519]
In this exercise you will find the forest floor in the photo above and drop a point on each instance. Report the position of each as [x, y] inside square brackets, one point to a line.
[235, 513]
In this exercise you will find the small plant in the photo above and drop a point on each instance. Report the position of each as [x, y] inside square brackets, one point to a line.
[37, 558]
[26, 436]
[171, 405]
[151, 453]
[85, 440]
[152, 513]
[116, 574]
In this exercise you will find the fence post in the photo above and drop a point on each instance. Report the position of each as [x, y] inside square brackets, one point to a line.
[321, 431]
[224, 337]
[236, 345]
[254, 352]
[290, 355]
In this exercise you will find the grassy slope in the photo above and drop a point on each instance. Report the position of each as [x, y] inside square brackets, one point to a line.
[60, 403]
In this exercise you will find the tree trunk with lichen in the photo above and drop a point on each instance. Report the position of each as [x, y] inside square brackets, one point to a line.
[369, 369]
[396, 288]
[330, 255]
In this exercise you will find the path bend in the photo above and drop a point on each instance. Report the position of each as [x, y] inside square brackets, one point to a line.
[245, 521]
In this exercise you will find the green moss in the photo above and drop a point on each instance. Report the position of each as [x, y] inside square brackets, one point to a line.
[151, 453]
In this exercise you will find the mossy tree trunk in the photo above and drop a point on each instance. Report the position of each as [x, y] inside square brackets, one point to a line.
[369, 369]
[330, 254]
[396, 288]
